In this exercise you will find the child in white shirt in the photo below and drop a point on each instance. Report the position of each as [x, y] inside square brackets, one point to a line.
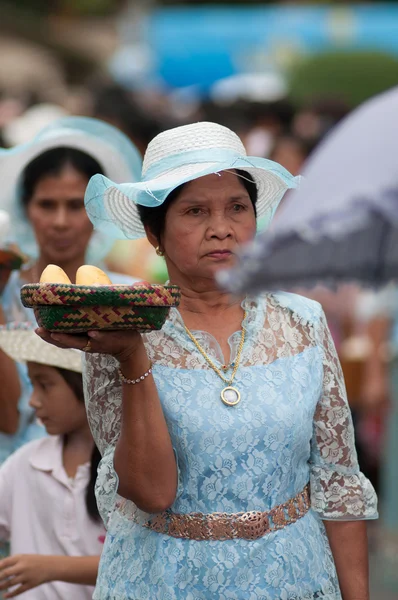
[47, 504]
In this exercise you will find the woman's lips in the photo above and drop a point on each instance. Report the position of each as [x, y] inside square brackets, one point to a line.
[220, 254]
[62, 244]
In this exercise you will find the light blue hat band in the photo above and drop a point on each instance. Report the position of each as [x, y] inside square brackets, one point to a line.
[175, 161]
[226, 158]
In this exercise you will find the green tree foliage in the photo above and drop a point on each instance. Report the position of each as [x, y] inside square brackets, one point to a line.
[349, 76]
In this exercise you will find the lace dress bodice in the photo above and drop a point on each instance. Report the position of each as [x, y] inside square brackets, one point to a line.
[292, 426]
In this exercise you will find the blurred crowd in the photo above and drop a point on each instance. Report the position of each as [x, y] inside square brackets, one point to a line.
[272, 128]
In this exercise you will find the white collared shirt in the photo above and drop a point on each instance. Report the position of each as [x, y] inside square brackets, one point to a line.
[43, 511]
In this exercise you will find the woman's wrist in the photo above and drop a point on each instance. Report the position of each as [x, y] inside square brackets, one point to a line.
[129, 355]
[134, 363]
[53, 568]
[136, 380]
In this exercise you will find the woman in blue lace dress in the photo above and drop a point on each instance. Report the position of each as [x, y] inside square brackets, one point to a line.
[229, 469]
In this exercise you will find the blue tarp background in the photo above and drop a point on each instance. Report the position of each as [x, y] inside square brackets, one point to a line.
[198, 45]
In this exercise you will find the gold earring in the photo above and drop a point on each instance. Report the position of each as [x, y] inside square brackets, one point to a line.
[158, 251]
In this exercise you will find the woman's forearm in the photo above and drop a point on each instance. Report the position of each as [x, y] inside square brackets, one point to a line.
[349, 543]
[81, 570]
[10, 391]
[144, 458]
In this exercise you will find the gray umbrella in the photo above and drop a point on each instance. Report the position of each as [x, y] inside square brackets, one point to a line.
[342, 224]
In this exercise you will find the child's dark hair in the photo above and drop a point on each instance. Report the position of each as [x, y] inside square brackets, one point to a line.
[155, 217]
[52, 162]
[75, 382]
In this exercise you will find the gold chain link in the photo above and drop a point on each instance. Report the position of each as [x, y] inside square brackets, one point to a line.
[210, 362]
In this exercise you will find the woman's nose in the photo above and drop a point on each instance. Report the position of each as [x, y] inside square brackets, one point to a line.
[219, 227]
[61, 217]
[34, 401]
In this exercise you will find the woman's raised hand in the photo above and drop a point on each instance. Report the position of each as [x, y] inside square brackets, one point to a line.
[120, 344]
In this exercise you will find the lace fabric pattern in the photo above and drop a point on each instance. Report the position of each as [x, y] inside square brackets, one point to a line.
[293, 425]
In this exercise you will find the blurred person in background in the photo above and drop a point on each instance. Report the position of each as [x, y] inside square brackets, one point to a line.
[312, 121]
[43, 185]
[380, 398]
[48, 510]
[291, 152]
[115, 105]
[268, 122]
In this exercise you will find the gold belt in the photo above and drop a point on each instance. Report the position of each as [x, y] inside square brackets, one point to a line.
[250, 525]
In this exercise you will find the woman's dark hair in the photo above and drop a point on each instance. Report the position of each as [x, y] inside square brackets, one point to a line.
[155, 218]
[75, 382]
[52, 162]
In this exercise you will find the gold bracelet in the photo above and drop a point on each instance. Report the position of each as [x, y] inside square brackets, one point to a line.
[134, 381]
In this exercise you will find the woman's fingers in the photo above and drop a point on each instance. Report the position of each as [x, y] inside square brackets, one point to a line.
[114, 342]
[24, 587]
[63, 340]
[6, 574]
[103, 342]
[10, 581]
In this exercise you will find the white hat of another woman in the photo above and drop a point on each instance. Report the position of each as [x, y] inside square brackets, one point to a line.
[20, 342]
[117, 155]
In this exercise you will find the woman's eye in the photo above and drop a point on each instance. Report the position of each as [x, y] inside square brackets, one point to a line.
[39, 386]
[76, 205]
[46, 204]
[238, 208]
[195, 211]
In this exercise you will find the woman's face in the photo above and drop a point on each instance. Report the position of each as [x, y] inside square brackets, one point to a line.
[55, 403]
[58, 217]
[205, 226]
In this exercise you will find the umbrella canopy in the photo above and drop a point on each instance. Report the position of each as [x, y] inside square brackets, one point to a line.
[342, 224]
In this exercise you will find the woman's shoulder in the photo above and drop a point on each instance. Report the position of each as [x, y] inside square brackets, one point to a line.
[303, 308]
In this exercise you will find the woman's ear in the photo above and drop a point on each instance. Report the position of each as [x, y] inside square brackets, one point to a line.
[152, 239]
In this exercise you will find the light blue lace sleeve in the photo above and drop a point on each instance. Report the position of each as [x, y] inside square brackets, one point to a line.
[339, 491]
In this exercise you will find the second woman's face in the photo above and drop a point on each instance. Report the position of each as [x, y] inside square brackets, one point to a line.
[205, 226]
[58, 217]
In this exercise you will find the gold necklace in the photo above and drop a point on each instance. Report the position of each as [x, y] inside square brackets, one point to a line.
[229, 395]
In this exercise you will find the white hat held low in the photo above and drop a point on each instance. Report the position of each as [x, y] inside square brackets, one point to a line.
[20, 342]
[174, 157]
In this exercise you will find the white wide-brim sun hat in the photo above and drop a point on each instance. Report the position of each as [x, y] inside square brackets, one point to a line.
[20, 342]
[177, 156]
[116, 154]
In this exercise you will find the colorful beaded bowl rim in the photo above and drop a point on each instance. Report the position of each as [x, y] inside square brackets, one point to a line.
[138, 295]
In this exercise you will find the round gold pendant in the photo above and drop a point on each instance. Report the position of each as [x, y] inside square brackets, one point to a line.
[230, 396]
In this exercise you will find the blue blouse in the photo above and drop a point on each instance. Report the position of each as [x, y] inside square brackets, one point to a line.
[292, 427]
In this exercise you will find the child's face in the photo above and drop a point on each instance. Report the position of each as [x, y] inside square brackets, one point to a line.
[54, 401]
